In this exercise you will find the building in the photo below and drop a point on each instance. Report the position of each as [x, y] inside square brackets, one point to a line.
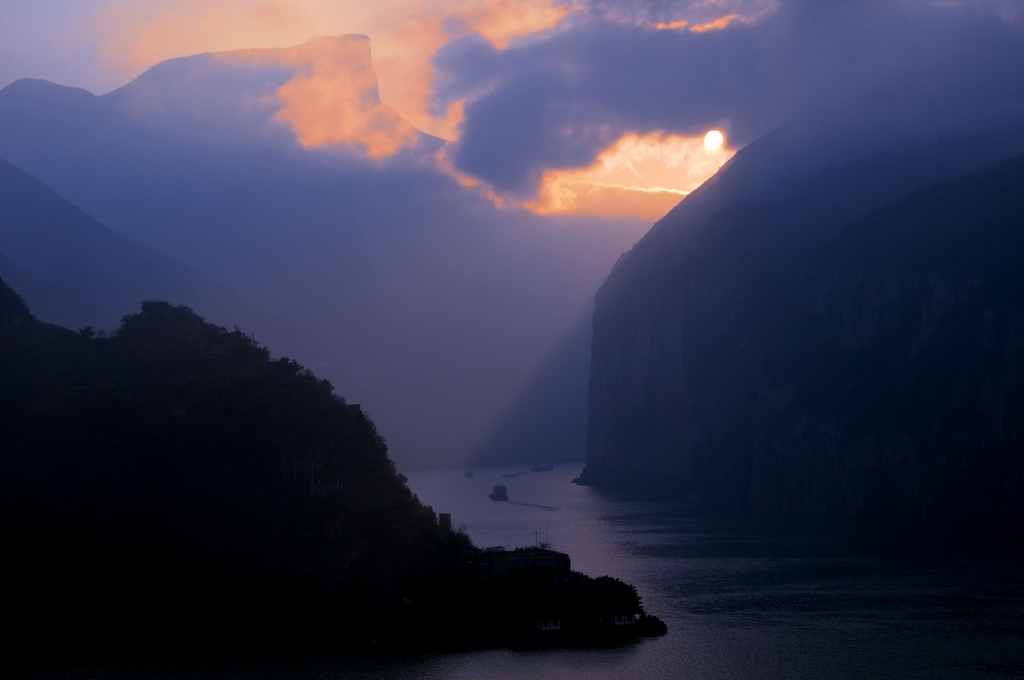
[497, 562]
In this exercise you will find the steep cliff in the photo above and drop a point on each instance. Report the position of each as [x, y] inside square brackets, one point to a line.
[829, 350]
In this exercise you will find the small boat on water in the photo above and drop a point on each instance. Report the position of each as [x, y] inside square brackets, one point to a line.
[500, 493]
[546, 467]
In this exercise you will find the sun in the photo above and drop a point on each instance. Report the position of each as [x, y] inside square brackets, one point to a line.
[713, 140]
[639, 175]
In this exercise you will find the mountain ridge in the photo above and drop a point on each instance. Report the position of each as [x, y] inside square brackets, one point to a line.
[78, 272]
[772, 403]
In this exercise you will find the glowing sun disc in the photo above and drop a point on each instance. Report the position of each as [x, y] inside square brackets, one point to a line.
[713, 140]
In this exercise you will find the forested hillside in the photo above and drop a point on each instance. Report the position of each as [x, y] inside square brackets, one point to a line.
[156, 490]
[172, 490]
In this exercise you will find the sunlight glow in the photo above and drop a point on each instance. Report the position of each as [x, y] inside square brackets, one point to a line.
[637, 176]
[713, 140]
[695, 17]
[332, 98]
[406, 34]
[676, 25]
[718, 24]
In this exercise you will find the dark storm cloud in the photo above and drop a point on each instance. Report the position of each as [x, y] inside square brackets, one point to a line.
[555, 103]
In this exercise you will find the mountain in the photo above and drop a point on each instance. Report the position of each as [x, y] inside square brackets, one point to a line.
[170, 490]
[156, 494]
[52, 302]
[825, 329]
[77, 272]
[247, 168]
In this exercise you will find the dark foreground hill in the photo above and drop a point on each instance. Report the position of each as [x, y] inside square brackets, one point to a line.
[172, 489]
[156, 484]
[773, 361]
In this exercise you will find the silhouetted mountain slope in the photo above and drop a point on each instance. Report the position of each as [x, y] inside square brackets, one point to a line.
[765, 356]
[59, 244]
[76, 272]
[70, 307]
[13, 311]
[442, 304]
[172, 490]
[156, 493]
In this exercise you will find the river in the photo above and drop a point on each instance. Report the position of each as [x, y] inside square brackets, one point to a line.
[743, 598]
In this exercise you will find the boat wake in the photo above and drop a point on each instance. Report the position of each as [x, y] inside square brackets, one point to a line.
[549, 508]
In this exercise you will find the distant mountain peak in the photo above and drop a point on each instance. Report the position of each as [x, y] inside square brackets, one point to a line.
[12, 308]
[34, 89]
[324, 90]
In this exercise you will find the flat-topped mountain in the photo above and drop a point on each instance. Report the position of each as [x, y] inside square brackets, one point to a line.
[321, 92]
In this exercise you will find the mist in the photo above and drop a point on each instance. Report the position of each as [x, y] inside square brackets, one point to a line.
[440, 305]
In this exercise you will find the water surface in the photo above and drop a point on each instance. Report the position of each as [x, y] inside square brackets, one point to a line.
[743, 598]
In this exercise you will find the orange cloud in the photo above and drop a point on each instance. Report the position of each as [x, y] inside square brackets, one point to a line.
[406, 34]
[404, 54]
[442, 161]
[718, 24]
[637, 176]
[700, 16]
[672, 25]
[333, 98]
[136, 35]
[503, 21]
[337, 98]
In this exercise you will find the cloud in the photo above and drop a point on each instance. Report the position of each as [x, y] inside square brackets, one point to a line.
[717, 24]
[405, 33]
[561, 102]
[404, 54]
[135, 36]
[331, 97]
[696, 16]
[637, 176]
[334, 97]
[557, 104]
[535, 92]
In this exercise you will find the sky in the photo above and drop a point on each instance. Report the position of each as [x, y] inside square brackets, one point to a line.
[556, 106]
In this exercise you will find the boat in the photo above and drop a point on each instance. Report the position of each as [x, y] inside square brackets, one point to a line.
[500, 493]
[546, 467]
